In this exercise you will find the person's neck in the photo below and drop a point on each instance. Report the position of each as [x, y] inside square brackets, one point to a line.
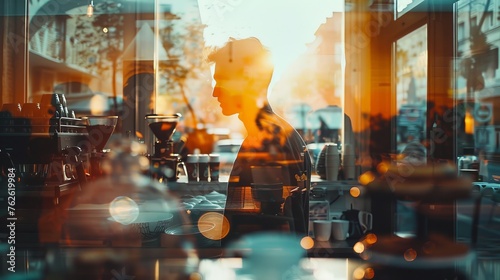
[249, 116]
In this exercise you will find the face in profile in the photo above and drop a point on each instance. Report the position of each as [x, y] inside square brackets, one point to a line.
[242, 74]
[229, 89]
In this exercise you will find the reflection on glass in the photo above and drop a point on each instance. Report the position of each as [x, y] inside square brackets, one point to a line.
[476, 88]
[411, 104]
[411, 86]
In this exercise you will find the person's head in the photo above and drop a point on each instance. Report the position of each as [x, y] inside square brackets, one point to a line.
[243, 71]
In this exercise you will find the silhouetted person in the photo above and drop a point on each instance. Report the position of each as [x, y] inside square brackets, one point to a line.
[243, 71]
[326, 124]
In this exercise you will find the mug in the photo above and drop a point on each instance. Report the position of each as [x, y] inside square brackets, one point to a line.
[340, 229]
[322, 230]
[365, 220]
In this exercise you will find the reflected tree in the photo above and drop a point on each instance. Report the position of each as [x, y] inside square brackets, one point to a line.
[101, 41]
[183, 41]
[186, 78]
[473, 66]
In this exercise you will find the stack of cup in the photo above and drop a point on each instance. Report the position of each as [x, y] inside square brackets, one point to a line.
[349, 162]
[332, 162]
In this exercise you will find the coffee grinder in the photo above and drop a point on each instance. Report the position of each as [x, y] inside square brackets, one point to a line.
[100, 129]
[164, 161]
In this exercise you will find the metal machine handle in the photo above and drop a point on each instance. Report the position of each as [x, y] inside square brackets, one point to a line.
[73, 155]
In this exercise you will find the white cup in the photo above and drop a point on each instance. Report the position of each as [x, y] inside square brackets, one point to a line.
[322, 230]
[340, 229]
[332, 162]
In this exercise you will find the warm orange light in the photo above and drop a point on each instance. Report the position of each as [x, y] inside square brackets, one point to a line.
[410, 255]
[98, 104]
[369, 273]
[358, 273]
[195, 276]
[358, 247]
[382, 167]
[366, 178]
[371, 238]
[355, 192]
[469, 123]
[307, 242]
[221, 223]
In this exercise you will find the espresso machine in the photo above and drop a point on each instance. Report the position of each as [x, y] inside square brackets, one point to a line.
[45, 159]
[45, 151]
[163, 159]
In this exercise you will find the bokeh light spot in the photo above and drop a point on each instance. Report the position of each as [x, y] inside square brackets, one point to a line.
[383, 167]
[358, 273]
[358, 247]
[355, 192]
[410, 255]
[124, 210]
[366, 178]
[98, 104]
[371, 238]
[369, 273]
[221, 223]
[307, 242]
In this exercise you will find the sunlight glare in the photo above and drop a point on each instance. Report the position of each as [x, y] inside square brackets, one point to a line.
[237, 19]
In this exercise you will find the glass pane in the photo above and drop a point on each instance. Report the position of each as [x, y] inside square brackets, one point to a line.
[476, 88]
[404, 6]
[411, 105]
[411, 87]
[134, 58]
[477, 95]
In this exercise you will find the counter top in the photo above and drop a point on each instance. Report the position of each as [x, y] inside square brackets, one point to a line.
[221, 185]
[120, 263]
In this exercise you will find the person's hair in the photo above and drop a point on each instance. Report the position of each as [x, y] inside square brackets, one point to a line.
[250, 58]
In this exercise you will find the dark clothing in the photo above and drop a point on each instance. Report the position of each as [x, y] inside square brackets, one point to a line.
[278, 144]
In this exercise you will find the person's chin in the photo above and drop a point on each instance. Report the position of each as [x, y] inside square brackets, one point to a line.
[228, 113]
